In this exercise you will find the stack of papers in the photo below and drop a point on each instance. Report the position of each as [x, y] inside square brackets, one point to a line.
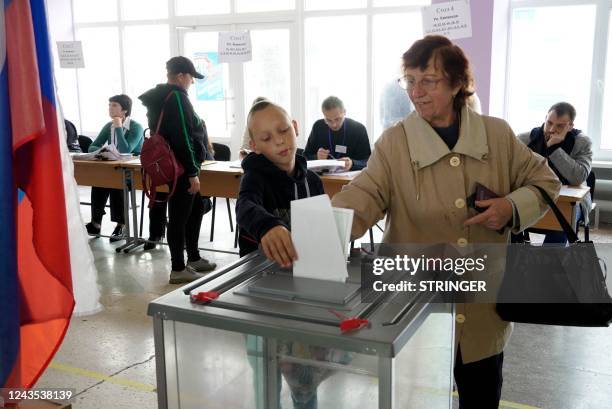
[107, 152]
[321, 236]
[325, 165]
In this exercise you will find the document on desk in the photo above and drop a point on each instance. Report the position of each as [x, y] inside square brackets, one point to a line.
[320, 235]
[325, 165]
[107, 152]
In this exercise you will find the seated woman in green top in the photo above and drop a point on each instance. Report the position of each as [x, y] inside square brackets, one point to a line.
[127, 136]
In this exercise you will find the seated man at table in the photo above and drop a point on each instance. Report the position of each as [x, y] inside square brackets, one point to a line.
[127, 136]
[568, 151]
[338, 137]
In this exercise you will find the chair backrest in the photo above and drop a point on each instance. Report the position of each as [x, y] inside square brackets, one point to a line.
[222, 152]
[84, 142]
[591, 184]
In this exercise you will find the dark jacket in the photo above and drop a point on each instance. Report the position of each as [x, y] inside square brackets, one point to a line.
[265, 197]
[181, 126]
[353, 135]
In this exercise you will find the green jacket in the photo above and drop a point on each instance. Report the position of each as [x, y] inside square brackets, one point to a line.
[128, 141]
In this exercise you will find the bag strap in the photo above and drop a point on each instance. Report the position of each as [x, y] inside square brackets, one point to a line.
[161, 115]
[571, 234]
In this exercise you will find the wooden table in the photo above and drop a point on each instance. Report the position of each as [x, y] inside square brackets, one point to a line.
[99, 173]
[219, 179]
[569, 197]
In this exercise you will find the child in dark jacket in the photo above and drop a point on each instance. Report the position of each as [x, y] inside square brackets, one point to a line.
[273, 176]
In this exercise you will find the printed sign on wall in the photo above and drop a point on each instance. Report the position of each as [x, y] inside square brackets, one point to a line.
[235, 46]
[452, 19]
[211, 87]
[70, 54]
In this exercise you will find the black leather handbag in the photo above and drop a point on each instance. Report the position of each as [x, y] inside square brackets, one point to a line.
[555, 285]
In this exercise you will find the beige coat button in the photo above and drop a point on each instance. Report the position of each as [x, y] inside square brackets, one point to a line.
[455, 161]
[459, 203]
[460, 318]
[462, 241]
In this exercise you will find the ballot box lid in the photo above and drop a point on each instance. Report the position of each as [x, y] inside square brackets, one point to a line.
[256, 296]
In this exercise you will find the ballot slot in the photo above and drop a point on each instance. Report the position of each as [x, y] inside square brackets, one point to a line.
[304, 289]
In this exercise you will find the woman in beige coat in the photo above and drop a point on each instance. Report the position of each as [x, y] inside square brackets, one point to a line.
[419, 176]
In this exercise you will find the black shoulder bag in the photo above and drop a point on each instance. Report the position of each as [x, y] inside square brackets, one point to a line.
[555, 285]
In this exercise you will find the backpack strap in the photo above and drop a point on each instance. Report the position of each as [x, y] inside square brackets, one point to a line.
[161, 115]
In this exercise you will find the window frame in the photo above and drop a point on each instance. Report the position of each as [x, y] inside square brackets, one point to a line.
[603, 8]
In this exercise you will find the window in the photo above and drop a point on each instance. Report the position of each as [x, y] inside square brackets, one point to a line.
[335, 64]
[393, 34]
[264, 5]
[268, 73]
[146, 50]
[333, 5]
[86, 11]
[606, 130]
[101, 77]
[208, 95]
[200, 7]
[549, 63]
[144, 9]
[387, 3]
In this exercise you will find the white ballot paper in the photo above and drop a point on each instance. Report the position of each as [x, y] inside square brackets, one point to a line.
[320, 235]
[325, 165]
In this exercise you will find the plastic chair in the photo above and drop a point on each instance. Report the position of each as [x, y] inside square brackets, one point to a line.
[222, 154]
[84, 142]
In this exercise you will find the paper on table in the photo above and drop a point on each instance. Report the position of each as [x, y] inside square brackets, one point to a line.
[327, 165]
[317, 240]
[107, 152]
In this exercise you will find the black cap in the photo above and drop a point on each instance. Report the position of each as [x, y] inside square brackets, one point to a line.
[182, 65]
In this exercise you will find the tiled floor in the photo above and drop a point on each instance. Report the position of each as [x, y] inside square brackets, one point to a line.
[109, 357]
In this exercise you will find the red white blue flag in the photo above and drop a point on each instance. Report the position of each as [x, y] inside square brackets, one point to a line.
[36, 299]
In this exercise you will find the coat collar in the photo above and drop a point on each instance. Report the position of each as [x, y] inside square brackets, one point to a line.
[426, 146]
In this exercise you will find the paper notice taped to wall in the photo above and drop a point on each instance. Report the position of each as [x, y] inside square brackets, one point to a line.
[235, 46]
[70, 54]
[452, 19]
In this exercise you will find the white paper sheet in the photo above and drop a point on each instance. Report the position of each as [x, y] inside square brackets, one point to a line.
[325, 165]
[317, 239]
[107, 152]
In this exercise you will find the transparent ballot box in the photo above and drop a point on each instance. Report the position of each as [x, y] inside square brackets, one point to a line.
[270, 340]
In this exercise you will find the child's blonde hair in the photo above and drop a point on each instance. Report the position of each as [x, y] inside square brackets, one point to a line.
[260, 106]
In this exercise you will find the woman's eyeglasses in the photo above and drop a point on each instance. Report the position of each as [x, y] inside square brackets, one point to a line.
[426, 84]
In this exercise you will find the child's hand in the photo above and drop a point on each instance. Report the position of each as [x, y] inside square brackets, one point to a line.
[278, 246]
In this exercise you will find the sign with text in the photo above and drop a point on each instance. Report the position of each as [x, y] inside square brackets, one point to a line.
[452, 19]
[211, 87]
[235, 46]
[70, 54]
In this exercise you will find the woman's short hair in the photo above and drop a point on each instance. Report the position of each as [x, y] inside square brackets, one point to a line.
[447, 56]
[124, 101]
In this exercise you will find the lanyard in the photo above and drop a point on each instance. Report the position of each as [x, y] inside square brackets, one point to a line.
[329, 138]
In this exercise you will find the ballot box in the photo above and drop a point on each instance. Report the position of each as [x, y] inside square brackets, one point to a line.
[260, 338]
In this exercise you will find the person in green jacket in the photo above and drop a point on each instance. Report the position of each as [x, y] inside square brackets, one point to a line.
[127, 135]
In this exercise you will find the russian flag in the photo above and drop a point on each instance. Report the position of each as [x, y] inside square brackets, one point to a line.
[36, 299]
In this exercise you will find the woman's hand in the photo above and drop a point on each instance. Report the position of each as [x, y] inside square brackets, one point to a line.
[117, 123]
[278, 246]
[497, 215]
